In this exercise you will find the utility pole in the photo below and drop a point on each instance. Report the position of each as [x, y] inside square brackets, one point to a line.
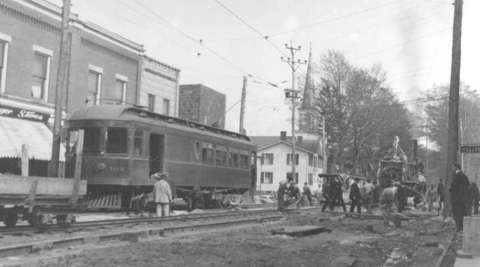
[324, 148]
[242, 107]
[293, 94]
[60, 88]
[452, 144]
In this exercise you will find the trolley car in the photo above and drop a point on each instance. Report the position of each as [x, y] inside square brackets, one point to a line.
[123, 146]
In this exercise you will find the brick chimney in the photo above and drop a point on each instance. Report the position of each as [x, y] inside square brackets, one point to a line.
[283, 136]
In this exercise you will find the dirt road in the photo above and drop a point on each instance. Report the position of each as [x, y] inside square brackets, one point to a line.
[366, 242]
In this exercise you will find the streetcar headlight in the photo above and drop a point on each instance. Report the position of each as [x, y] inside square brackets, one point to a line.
[101, 166]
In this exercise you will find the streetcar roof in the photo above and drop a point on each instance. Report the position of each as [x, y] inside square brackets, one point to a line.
[127, 113]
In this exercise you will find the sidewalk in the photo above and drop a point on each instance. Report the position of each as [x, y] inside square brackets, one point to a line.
[464, 259]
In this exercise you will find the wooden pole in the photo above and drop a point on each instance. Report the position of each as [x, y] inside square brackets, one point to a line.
[25, 163]
[60, 88]
[242, 108]
[453, 105]
[78, 166]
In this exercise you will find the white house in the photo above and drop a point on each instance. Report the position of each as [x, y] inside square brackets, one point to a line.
[274, 162]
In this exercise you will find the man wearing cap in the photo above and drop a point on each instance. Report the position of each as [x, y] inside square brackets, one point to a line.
[459, 190]
[162, 194]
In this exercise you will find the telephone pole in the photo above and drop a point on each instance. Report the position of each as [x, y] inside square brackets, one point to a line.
[242, 106]
[60, 88]
[293, 94]
[453, 103]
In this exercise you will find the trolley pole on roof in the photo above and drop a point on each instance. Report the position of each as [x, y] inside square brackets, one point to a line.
[242, 107]
[60, 88]
[453, 103]
[293, 94]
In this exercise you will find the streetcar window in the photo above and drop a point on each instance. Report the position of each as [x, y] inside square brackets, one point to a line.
[91, 140]
[244, 159]
[138, 143]
[116, 141]
[207, 153]
[233, 157]
[221, 155]
[72, 141]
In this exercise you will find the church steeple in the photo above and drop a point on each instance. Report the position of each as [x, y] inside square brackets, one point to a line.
[308, 101]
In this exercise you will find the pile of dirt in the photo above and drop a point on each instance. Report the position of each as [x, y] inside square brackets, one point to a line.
[368, 242]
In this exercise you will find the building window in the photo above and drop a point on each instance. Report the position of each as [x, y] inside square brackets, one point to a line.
[151, 103]
[311, 160]
[267, 159]
[40, 76]
[166, 106]
[3, 64]
[267, 178]
[120, 91]
[310, 179]
[93, 94]
[296, 176]
[289, 159]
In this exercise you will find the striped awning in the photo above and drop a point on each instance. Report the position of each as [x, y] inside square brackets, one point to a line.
[16, 132]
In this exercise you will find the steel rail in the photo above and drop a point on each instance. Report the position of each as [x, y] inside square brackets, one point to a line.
[111, 222]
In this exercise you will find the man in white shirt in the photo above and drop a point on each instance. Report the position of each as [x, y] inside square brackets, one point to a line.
[422, 180]
[162, 194]
[368, 190]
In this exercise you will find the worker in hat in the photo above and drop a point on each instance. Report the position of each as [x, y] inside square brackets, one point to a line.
[162, 194]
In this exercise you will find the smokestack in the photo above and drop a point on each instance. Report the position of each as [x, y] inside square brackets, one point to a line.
[415, 149]
[283, 136]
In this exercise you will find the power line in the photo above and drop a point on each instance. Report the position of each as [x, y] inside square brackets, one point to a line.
[333, 19]
[263, 36]
[410, 41]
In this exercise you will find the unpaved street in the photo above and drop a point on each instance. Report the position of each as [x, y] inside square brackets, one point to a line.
[367, 242]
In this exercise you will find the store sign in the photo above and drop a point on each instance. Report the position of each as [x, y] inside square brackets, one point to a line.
[23, 114]
[470, 149]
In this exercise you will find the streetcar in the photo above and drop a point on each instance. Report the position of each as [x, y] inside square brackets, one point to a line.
[123, 146]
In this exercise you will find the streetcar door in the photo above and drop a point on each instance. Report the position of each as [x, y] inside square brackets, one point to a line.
[157, 150]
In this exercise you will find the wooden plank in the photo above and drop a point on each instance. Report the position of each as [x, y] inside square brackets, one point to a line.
[31, 194]
[343, 261]
[300, 230]
[471, 235]
[13, 185]
[78, 167]
[25, 161]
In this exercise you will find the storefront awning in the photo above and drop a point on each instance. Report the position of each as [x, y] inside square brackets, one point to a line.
[16, 132]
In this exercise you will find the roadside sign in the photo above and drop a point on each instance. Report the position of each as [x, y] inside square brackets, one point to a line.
[470, 149]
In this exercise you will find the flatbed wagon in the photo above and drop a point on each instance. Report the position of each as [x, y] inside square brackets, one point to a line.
[39, 200]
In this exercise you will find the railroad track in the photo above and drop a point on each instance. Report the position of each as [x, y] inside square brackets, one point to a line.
[209, 221]
[24, 229]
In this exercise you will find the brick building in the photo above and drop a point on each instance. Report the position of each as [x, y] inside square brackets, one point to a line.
[202, 104]
[159, 87]
[103, 68]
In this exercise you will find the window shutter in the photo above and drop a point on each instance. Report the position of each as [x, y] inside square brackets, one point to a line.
[262, 158]
[297, 157]
[288, 159]
[262, 179]
[272, 158]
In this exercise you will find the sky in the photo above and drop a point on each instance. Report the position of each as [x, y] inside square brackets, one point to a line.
[217, 42]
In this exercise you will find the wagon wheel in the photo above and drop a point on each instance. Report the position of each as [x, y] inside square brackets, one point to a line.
[62, 221]
[10, 219]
